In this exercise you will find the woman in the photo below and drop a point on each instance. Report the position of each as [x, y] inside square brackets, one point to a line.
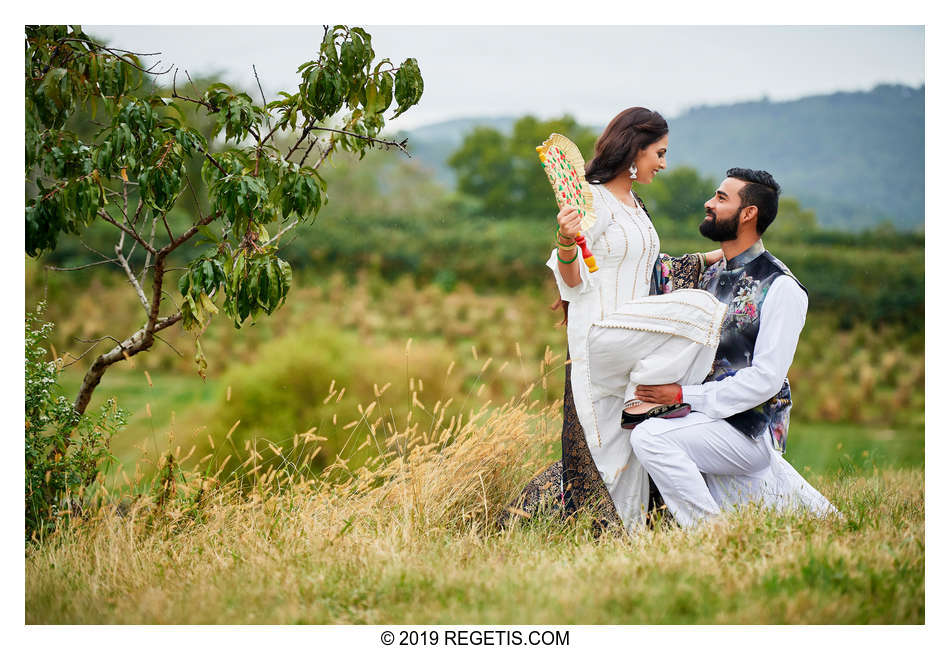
[598, 467]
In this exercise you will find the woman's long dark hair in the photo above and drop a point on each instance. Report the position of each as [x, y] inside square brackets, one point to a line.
[630, 131]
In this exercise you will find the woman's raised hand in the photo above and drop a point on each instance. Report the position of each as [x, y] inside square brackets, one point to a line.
[569, 222]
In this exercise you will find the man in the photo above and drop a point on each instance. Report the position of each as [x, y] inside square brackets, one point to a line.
[723, 450]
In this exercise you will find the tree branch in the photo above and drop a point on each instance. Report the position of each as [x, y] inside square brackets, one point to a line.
[175, 95]
[105, 215]
[100, 46]
[323, 156]
[188, 234]
[98, 340]
[306, 131]
[148, 253]
[176, 350]
[157, 281]
[79, 268]
[128, 272]
[277, 236]
[263, 98]
[386, 143]
[93, 250]
[213, 161]
[194, 195]
[138, 210]
[139, 341]
[168, 229]
[88, 350]
[306, 154]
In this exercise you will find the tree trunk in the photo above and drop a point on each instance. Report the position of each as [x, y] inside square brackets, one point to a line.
[140, 341]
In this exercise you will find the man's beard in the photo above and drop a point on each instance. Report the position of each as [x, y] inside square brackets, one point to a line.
[721, 229]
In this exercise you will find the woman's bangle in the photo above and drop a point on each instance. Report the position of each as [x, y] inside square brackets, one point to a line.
[558, 234]
[565, 246]
[567, 261]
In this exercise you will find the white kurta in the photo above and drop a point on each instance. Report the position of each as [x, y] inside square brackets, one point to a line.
[673, 340]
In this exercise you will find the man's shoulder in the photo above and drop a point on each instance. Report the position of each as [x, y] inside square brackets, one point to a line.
[782, 268]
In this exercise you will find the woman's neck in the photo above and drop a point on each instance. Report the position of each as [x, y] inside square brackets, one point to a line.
[619, 186]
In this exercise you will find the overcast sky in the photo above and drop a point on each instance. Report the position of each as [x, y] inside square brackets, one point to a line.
[589, 72]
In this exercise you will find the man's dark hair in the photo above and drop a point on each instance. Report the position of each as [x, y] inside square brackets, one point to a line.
[760, 190]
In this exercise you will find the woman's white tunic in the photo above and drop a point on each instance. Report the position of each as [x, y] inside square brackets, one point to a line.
[626, 246]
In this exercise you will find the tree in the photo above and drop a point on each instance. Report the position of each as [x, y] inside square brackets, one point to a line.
[131, 171]
[792, 220]
[678, 195]
[503, 173]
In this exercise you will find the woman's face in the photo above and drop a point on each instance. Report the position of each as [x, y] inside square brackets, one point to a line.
[651, 160]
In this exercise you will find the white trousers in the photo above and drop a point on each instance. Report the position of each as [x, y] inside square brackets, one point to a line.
[651, 340]
[700, 465]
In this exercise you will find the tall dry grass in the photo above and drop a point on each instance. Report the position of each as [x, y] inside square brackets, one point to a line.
[410, 537]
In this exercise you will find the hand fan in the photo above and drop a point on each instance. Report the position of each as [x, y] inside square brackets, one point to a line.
[564, 166]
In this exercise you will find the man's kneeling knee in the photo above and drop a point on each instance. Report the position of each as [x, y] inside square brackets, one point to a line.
[644, 439]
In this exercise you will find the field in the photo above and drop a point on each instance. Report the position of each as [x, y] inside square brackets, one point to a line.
[443, 404]
[411, 540]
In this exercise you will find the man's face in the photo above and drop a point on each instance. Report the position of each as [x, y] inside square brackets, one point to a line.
[722, 212]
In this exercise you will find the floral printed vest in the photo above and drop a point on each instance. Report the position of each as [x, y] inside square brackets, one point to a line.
[743, 283]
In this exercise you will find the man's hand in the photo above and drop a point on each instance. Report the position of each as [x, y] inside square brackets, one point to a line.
[661, 394]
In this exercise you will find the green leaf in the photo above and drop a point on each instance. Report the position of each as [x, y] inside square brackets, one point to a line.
[286, 276]
[207, 232]
[370, 97]
[200, 360]
[273, 284]
[328, 49]
[408, 86]
[350, 58]
[384, 91]
[208, 304]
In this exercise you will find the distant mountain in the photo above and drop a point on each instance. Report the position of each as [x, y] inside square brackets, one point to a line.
[432, 144]
[856, 158]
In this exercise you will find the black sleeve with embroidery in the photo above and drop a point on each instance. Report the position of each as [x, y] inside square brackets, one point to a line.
[672, 273]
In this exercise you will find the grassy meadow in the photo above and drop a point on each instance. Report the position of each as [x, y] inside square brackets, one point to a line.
[346, 459]
[410, 538]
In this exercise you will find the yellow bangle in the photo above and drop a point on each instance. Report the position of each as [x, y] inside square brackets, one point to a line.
[558, 234]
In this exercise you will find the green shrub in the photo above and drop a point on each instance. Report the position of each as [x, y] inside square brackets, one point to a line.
[63, 449]
[314, 386]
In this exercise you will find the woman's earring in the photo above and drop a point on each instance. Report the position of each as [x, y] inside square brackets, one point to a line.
[633, 171]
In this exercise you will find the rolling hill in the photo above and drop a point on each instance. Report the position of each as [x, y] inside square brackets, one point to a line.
[856, 158]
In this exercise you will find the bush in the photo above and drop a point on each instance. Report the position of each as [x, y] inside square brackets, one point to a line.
[63, 449]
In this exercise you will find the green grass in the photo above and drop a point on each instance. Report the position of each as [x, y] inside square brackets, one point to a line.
[825, 448]
[814, 448]
[170, 395]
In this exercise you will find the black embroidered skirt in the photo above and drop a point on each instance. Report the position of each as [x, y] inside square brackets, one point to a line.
[573, 483]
